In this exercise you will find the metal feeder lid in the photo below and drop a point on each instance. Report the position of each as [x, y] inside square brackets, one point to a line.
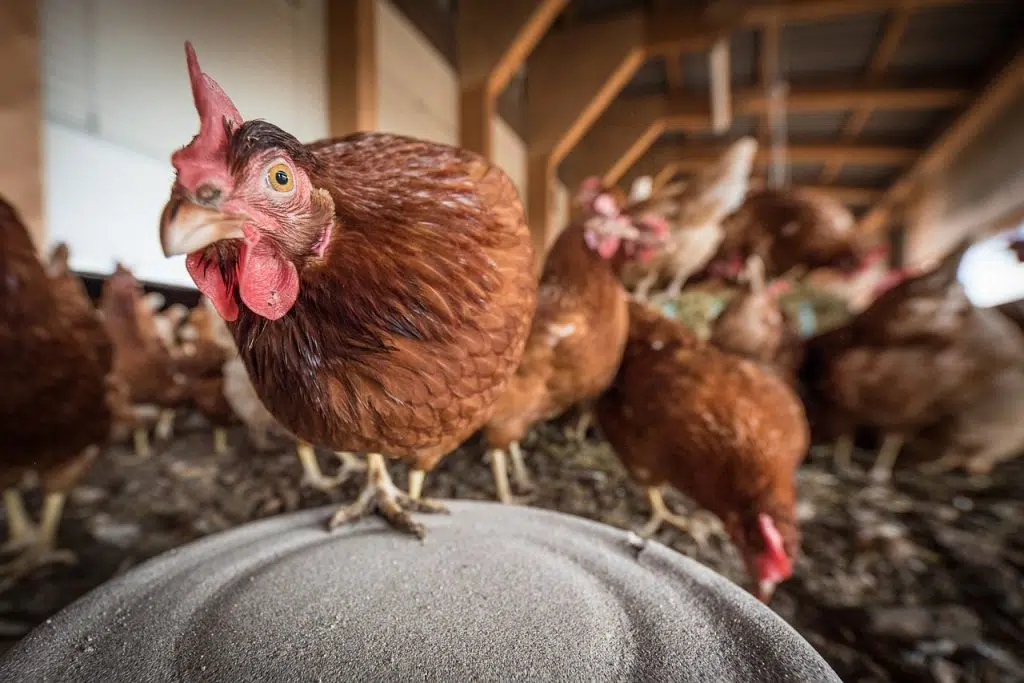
[495, 593]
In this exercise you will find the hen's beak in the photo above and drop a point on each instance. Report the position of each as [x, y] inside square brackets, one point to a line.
[186, 227]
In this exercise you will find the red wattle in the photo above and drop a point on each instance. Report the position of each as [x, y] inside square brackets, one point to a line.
[269, 284]
[208, 279]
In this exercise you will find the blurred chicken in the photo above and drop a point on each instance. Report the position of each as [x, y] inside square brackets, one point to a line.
[754, 326]
[241, 396]
[206, 347]
[54, 409]
[141, 358]
[797, 229]
[716, 427]
[919, 353]
[579, 328]
[695, 211]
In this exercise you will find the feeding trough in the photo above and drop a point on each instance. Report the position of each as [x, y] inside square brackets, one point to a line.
[495, 593]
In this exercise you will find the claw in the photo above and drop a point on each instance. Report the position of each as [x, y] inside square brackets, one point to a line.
[381, 494]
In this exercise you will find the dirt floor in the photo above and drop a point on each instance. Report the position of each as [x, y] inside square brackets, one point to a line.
[921, 581]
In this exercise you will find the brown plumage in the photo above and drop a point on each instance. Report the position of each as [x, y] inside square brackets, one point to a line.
[578, 332]
[917, 354]
[754, 325]
[142, 361]
[1014, 310]
[205, 349]
[797, 228]
[54, 408]
[380, 288]
[717, 428]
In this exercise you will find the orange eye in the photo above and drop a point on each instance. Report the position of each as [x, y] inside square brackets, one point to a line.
[280, 178]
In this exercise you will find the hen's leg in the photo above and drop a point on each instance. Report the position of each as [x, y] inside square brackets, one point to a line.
[661, 514]
[350, 464]
[842, 453]
[312, 474]
[499, 469]
[220, 440]
[21, 532]
[520, 475]
[886, 460]
[579, 432]
[676, 286]
[164, 425]
[381, 494]
[416, 479]
[42, 550]
[140, 438]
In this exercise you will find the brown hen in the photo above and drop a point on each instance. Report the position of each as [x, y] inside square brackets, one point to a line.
[579, 328]
[380, 288]
[920, 352]
[716, 427]
[54, 406]
[141, 358]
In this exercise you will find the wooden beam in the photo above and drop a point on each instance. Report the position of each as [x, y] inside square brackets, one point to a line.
[688, 29]
[21, 115]
[494, 40]
[690, 158]
[999, 93]
[618, 139]
[611, 149]
[574, 75]
[895, 26]
[352, 66]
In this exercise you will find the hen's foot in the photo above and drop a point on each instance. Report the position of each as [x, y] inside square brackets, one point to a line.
[520, 475]
[499, 469]
[381, 495]
[21, 532]
[313, 476]
[39, 551]
[578, 432]
[661, 514]
[32, 558]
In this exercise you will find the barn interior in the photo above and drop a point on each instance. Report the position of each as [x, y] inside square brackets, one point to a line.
[903, 113]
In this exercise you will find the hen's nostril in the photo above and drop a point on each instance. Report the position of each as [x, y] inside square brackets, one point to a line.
[207, 193]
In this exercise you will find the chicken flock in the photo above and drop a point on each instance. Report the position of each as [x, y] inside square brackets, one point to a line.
[375, 295]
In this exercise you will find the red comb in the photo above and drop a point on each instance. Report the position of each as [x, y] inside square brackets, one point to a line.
[214, 108]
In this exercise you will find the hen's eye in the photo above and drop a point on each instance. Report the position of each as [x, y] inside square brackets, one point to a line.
[280, 178]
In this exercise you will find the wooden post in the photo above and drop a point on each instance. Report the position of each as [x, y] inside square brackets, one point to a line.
[352, 77]
[494, 40]
[21, 114]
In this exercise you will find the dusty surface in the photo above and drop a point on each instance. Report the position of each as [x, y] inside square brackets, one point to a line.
[923, 581]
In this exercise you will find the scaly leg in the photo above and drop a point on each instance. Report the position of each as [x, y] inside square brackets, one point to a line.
[661, 514]
[416, 479]
[220, 440]
[520, 475]
[141, 440]
[381, 494]
[312, 474]
[21, 532]
[578, 433]
[886, 460]
[499, 469]
[842, 453]
[350, 464]
[164, 425]
[42, 551]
